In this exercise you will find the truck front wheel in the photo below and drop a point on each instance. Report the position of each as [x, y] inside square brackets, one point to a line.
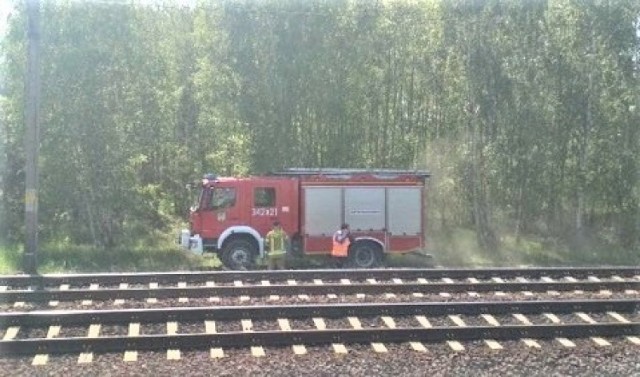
[239, 254]
[365, 255]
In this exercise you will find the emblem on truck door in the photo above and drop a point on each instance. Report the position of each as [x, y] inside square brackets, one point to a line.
[222, 216]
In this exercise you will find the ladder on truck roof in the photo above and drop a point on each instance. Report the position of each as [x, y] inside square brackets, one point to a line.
[338, 171]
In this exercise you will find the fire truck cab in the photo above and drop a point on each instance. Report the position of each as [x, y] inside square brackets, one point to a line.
[384, 209]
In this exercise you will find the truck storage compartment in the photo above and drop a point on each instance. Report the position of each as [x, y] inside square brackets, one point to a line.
[322, 210]
[404, 204]
[396, 210]
[364, 208]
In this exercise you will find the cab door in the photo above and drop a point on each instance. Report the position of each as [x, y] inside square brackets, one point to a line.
[220, 209]
[273, 200]
[264, 207]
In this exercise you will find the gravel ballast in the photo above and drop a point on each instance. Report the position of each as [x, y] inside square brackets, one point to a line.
[294, 300]
[620, 359]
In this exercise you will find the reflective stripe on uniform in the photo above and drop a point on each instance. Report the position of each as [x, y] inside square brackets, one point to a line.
[276, 239]
[340, 249]
[277, 253]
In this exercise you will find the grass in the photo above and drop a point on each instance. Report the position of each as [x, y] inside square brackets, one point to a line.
[459, 248]
[10, 259]
[54, 258]
[453, 248]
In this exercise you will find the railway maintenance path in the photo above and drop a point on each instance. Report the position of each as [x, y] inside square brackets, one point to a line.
[324, 322]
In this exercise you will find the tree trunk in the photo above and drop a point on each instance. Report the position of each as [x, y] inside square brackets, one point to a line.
[584, 150]
[484, 232]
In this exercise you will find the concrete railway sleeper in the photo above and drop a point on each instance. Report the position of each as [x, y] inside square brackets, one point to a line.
[290, 337]
[105, 279]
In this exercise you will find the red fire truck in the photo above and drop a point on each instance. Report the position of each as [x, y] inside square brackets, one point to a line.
[384, 208]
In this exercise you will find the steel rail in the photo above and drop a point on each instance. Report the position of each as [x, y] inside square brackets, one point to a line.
[312, 337]
[382, 274]
[308, 289]
[264, 312]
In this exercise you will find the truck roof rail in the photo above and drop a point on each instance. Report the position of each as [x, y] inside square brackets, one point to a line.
[340, 171]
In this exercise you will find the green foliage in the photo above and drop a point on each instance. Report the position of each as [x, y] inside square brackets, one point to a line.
[10, 259]
[527, 112]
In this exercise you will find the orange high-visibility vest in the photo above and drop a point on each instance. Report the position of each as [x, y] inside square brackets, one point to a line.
[340, 249]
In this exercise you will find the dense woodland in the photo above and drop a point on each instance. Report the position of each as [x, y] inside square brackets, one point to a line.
[526, 112]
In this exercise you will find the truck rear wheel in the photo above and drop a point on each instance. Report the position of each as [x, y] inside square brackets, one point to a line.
[239, 254]
[365, 255]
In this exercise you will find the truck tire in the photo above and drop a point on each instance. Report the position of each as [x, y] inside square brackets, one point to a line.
[365, 254]
[239, 254]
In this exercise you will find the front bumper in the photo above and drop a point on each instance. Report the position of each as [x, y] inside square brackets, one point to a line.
[191, 243]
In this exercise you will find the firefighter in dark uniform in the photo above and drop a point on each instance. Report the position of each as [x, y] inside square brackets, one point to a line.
[276, 244]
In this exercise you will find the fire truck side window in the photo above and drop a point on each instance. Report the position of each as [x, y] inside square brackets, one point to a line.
[264, 197]
[223, 197]
[204, 199]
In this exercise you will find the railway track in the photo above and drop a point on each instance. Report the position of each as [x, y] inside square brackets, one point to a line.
[419, 332]
[329, 316]
[54, 288]
[256, 276]
[305, 289]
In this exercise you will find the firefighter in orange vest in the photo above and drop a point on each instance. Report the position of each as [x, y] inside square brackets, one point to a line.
[341, 241]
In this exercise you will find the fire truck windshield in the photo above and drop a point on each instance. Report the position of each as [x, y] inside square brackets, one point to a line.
[218, 198]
